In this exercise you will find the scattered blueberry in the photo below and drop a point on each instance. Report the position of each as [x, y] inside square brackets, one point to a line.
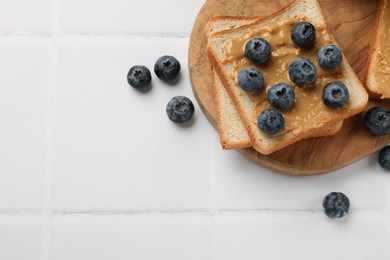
[336, 205]
[270, 121]
[180, 109]
[281, 96]
[335, 95]
[167, 68]
[329, 57]
[258, 50]
[250, 80]
[303, 35]
[139, 77]
[377, 121]
[384, 157]
[302, 71]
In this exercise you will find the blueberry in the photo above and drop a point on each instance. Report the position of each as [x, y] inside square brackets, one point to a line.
[281, 96]
[167, 68]
[139, 77]
[329, 57]
[336, 205]
[303, 35]
[250, 80]
[180, 109]
[384, 158]
[270, 121]
[377, 121]
[258, 50]
[335, 95]
[302, 71]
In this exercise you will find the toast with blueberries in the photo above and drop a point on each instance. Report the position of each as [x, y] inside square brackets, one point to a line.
[232, 132]
[378, 69]
[286, 76]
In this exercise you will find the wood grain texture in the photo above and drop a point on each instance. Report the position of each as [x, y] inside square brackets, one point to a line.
[351, 22]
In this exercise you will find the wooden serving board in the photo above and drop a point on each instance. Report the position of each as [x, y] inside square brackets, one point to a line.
[352, 24]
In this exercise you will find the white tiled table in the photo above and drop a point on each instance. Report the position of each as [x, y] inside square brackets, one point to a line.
[92, 169]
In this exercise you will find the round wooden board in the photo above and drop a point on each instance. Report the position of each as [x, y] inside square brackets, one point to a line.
[352, 24]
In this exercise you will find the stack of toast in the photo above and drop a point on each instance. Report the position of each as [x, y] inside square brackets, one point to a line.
[238, 110]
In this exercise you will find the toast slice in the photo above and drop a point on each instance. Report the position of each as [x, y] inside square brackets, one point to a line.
[378, 69]
[247, 106]
[232, 132]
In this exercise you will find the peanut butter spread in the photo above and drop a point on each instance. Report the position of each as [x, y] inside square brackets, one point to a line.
[308, 107]
[382, 70]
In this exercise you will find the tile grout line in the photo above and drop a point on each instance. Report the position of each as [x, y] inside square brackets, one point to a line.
[213, 203]
[124, 35]
[193, 216]
[51, 103]
[132, 213]
[181, 214]
[387, 205]
[49, 151]
[94, 35]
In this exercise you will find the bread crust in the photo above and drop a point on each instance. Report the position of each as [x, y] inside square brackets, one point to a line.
[289, 137]
[226, 142]
[373, 48]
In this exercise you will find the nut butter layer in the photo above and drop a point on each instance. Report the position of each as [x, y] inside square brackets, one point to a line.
[308, 103]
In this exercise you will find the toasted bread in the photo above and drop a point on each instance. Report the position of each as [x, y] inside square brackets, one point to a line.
[232, 132]
[378, 70]
[217, 49]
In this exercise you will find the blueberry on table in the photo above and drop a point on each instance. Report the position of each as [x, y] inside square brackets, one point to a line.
[139, 77]
[167, 68]
[384, 158]
[258, 50]
[335, 95]
[250, 80]
[303, 35]
[281, 96]
[377, 121]
[336, 205]
[270, 121]
[329, 57]
[302, 71]
[180, 109]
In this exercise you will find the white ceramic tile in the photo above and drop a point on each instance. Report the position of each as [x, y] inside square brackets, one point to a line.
[141, 240]
[24, 67]
[115, 148]
[25, 16]
[20, 240]
[303, 237]
[242, 184]
[123, 16]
